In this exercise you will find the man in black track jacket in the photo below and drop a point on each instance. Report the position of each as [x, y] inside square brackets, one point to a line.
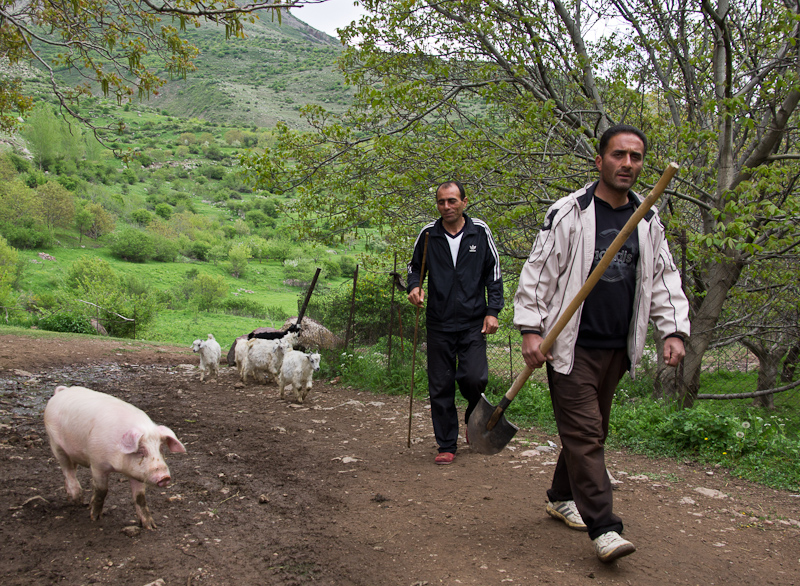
[465, 295]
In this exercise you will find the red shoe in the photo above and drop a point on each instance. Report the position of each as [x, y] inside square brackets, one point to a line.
[445, 458]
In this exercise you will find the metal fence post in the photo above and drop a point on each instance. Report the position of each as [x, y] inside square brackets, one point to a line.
[391, 318]
[352, 309]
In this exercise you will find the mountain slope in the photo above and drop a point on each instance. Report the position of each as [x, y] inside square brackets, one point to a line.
[258, 80]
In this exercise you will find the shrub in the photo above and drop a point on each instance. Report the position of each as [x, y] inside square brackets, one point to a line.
[371, 308]
[198, 249]
[209, 290]
[132, 245]
[164, 210]
[26, 234]
[301, 270]
[66, 322]
[164, 249]
[142, 216]
[244, 307]
[348, 264]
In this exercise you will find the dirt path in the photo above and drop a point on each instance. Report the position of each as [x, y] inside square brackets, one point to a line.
[328, 493]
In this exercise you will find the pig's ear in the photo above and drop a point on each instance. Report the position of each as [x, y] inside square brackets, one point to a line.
[168, 436]
[129, 444]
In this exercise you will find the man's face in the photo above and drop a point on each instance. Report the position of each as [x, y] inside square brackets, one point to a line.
[450, 204]
[622, 162]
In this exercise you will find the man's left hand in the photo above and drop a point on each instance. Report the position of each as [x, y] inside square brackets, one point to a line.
[674, 351]
[490, 325]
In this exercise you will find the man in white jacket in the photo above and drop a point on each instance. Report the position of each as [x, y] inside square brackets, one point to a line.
[606, 336]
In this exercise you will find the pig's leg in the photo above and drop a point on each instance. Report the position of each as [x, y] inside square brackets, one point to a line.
[99, 492]
[142, 510]
[69, 468]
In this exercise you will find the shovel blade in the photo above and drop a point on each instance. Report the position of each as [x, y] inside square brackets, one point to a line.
[488, 441]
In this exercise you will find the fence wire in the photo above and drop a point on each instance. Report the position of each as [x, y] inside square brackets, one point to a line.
[377, 315]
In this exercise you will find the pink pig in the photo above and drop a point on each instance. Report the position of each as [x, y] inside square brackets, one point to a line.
[106, 434]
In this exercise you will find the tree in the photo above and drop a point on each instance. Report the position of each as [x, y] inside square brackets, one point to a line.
[9, 270]
[132, 245]
[122, 47]
[94, 221]
[510, 98]
[52, 139]
[208, 290]
[56, 204]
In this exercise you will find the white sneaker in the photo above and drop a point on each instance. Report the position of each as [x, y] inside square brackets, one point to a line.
[610, 546]
[566, 511]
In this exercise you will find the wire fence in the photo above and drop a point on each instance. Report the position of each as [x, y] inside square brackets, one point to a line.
[372, 312]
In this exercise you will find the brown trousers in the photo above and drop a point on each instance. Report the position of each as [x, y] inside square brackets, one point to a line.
[582, 406]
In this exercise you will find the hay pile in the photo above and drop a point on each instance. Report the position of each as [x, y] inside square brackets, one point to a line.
[313, 335]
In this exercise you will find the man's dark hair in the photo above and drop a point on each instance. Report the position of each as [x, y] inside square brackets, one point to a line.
[457, 184]
[619, 129]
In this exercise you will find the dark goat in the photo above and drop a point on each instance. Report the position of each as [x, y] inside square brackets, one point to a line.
[261, 333]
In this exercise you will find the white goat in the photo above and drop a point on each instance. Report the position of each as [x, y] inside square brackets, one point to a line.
[266, 356]
[297, 370]
[240, 352]
[210, 353]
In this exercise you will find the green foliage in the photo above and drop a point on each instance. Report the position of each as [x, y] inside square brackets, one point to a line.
[372, 311]
[66, 322]
[142, 216]
[244, 307]
[238, 257]
[299, 270]
[26, 234]
[209, 290]
[132, 245]
[164, 210]
[10, 270]
[164, 249]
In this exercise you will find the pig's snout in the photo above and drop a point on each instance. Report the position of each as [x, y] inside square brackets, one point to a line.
[163, 481]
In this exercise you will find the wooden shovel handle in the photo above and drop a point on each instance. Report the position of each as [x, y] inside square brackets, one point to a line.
[598, 271]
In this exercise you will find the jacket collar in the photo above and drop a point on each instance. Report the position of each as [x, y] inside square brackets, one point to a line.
[469, 226]
[586, 198]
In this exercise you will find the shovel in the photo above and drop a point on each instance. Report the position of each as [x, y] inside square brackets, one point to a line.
[489, 431]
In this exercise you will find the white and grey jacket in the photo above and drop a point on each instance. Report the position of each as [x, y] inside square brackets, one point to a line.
[561, 261]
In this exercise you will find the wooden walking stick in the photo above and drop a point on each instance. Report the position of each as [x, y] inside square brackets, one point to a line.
[414, 348]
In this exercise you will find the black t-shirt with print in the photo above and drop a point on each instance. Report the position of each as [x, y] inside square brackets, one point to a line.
[608, 309]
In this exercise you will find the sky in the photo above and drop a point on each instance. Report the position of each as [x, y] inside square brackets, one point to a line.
[329, 15]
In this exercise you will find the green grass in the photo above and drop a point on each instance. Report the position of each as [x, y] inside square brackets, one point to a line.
[182, 327]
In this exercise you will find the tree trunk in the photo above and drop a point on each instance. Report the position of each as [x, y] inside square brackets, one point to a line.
[790, 364]
[722, 276]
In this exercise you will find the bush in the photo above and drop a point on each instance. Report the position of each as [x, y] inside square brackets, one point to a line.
[164, 210]
[164, 249]
[244, 307]
[371, 308]
[26, 234]
[209, 290]
[348, 264]
[198, 249]
[301, 270]
[141, 216]
[132, 245]
[67, 322]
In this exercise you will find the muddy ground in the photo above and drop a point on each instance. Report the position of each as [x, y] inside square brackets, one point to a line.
[270, 492]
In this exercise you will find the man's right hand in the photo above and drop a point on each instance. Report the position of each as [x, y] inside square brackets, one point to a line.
[417, 297]
[530, 351]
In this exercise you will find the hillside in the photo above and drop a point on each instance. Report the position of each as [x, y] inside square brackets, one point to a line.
[259, 80]
[256, 81]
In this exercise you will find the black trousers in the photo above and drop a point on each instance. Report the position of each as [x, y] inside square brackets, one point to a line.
[582, 407]
[454, 357]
